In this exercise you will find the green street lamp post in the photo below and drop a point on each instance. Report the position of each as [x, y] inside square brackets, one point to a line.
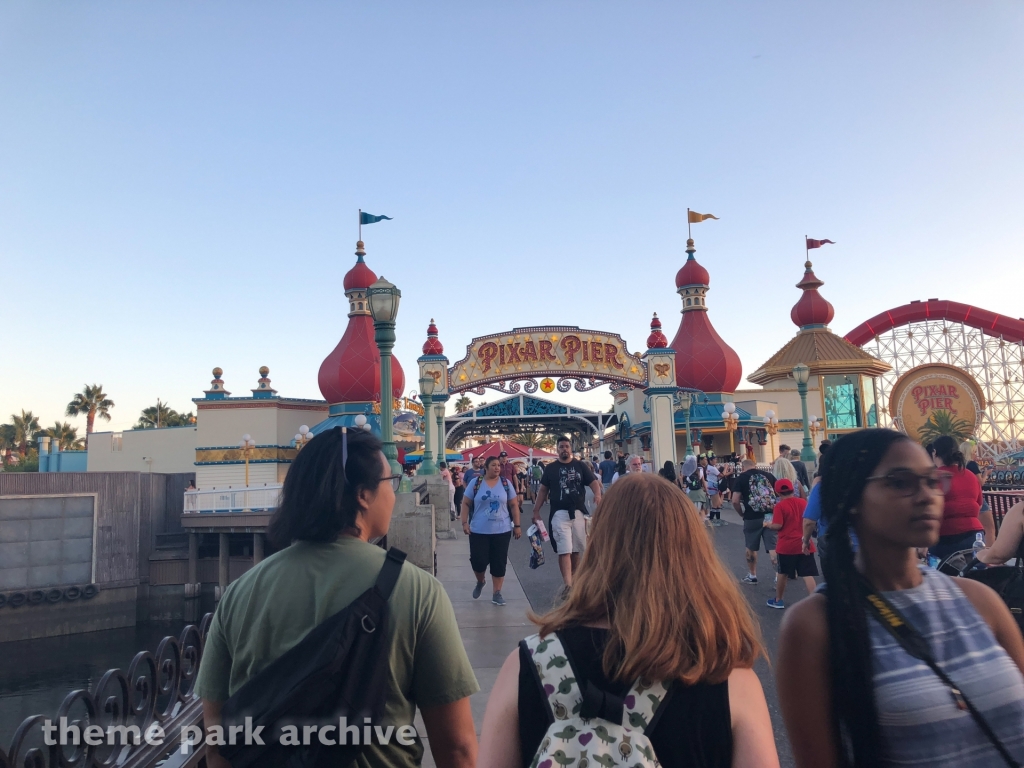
[439, 414]
[383, 298]
[427, 466]
[802, 374]
[685, 401]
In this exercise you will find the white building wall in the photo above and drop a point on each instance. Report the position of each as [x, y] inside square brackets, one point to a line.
[169, 449]
[224, 427]
[211, 476]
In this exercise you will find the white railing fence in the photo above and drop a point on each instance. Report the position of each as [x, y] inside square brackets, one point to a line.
[262, 498]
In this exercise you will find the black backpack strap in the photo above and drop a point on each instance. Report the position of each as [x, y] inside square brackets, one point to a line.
[389, 573]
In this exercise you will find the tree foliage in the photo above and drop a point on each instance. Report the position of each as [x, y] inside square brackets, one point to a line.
[533, 439]
[65, 436]
[91, 402]
[162, 415]
[463, 404]
[942, 423]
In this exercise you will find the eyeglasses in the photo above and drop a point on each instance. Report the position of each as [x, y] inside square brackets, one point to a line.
[396, 480]
[905, 482]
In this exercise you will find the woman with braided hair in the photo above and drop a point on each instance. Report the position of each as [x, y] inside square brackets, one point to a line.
[892, 663]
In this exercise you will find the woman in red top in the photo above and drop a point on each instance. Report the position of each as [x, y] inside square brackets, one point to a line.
[962, 519]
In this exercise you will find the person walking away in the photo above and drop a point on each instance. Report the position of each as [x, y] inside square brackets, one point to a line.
[475, 471]
[608, 469]
[696, 486]
[447, 476]
[653, 603]
[565, 482]
[962, 520]
[815, 526]
[490, 517]
[460, 487]
[856, 667]
[332, 505]
[711, 475]
[669, 473]
[788, 524]
[783, 468]
[629, 465]
[801, 471]
[753, 496]
[536, 473]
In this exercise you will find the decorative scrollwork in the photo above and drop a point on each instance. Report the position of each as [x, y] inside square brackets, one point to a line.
[531, 386]
[163, 680]
[581, 385]
[505, 387]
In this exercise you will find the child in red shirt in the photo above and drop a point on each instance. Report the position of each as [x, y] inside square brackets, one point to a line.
[788, 520]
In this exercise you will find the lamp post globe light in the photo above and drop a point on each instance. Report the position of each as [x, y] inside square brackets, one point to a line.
[303, 437]
[427, 466]
[815, 426]
[802, 374]
[383, 298]
[731, 419]
[247, 444]
[771, 426]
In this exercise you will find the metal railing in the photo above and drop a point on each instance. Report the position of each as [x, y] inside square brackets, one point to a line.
[156, 692]
[254, 499]
[1000, 502]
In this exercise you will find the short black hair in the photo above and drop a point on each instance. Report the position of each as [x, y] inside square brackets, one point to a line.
[319, 497]
[607, 454]
[443, 465]
[783, 447]
[948, 449]
[563, 439]
[489, 459]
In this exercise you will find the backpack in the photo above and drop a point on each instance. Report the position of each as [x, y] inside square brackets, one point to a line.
[693, 481]
[762, 496]
[472, 496]
[592, 729]
[339, 669]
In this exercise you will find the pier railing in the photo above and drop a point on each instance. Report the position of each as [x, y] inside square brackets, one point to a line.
[132, 719]
[263, 498]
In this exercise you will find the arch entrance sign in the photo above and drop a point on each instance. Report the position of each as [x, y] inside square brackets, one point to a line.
[573, 357]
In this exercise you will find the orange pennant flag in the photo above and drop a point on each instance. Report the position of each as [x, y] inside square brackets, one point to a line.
[696, 218]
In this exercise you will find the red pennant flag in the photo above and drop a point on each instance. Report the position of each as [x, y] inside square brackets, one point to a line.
[817, 243]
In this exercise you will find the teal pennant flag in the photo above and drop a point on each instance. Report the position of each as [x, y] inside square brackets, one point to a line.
[369, 218]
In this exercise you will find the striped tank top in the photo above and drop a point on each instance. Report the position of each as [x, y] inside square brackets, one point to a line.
[920, 722]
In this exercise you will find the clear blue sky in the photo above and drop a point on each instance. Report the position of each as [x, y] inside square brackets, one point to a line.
[179, 181]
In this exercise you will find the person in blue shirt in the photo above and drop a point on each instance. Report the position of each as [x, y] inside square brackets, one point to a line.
[813, 520]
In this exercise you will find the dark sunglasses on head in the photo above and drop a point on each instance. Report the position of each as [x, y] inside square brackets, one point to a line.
[906, 482]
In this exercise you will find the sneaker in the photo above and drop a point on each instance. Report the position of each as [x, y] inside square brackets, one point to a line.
[498, 599]
[478, 589]
[748, 579]
[776, 604]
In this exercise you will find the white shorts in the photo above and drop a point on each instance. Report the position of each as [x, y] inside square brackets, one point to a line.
[569, 534]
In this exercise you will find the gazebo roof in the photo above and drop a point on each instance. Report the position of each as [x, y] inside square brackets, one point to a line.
[823, 352]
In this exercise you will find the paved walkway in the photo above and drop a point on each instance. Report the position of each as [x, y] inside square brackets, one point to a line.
[488, 631]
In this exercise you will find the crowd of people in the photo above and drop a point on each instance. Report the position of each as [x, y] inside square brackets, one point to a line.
[648, 656]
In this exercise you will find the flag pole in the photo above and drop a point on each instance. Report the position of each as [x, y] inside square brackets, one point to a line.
[688, 235]
[807, 251]
[360, 223]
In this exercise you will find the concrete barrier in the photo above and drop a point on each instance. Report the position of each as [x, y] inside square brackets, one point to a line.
[412, 530]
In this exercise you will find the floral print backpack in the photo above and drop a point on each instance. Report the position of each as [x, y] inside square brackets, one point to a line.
[591, 728]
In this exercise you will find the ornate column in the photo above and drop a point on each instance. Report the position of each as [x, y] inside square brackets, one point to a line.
[383, 298]
[661, 392]
[434, 364]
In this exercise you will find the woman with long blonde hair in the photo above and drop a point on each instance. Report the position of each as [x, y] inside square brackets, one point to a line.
[651, 600]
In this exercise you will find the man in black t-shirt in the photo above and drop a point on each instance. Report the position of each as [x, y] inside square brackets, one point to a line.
[565, 482]
[753, 496]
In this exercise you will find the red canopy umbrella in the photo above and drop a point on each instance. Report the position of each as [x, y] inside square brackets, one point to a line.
[514, 451]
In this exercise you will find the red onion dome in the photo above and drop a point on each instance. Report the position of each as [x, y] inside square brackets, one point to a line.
[692, 273]
[432, 346]
[812, 308]
[657, 339]
[360, 276]
[703, 360]
[351, 373]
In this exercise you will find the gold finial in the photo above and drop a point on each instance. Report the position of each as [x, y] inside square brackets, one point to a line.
[360, 249]
[807, 264]
[689, 245]
[218, 372]
[264, 370]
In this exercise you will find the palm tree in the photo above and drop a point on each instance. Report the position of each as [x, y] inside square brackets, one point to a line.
[533, 439]
[463, 404]
[26, 427]
[157, 416]
[65, 436]
[7, 442]
[93, 402]
[942, 423]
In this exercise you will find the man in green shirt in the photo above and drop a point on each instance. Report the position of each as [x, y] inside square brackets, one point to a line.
[274, 605]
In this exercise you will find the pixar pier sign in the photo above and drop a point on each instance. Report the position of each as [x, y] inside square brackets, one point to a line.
[556, 351]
